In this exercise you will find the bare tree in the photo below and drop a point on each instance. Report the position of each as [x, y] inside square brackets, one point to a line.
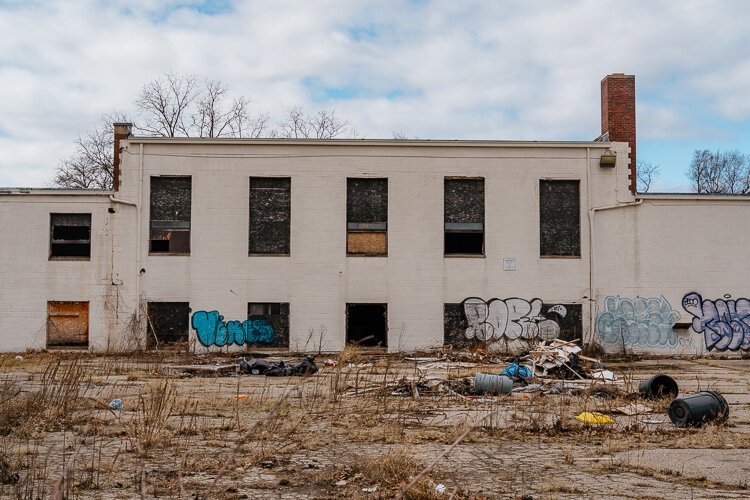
[164, 104]
[322, 125]
[646, 172]
[212, 118]
[90, 166]
[726, 172]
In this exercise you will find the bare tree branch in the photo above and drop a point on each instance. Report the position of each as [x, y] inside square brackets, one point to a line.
[322, 125]
[646, 172]
[726, 172]
[164, 103]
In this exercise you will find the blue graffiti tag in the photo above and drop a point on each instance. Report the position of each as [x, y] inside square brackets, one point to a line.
[639, 322]
[725, 324]
[213, 331]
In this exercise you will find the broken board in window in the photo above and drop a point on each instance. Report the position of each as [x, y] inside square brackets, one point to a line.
[168, 324]
[559, 218]
[275, 315]
[270, 215]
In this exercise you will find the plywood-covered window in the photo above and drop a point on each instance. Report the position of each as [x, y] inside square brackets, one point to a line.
[67, 324]
[366, 216]
[270, 215]
[70, 236]
[268, 324]
[170, 212]
[168, 324]
[464, 216]
[559, 218]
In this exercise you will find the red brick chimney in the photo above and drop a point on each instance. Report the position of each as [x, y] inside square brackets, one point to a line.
[122, 131]
[618, 115]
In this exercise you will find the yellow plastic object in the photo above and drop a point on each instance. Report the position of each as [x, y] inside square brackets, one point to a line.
[594, 418]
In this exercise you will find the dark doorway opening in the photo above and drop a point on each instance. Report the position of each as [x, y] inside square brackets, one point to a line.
[366, 325]
[168, 324]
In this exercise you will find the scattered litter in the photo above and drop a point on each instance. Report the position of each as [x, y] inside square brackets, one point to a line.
[634, 409]
[515, 370]
[652, 421]
[19, 358]
[242, 397]
[440, 488]
[603, 375]
[115, 404]
[371, 489]
[343, 482]
[594, 418]
[492, 384]
[329, 362]
[559, 358]
[699, 408]
[280, 369]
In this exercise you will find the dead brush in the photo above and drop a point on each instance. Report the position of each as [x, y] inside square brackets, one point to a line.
[149, 426]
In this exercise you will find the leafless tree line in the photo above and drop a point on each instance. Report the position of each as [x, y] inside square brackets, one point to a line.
[177, 105]
[725, 172]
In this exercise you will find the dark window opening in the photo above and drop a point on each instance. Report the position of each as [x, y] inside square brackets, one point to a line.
[464, 216]
[559, 218]
[268, 324]
[571, 325]
[168, 324]
[270, 215]
[170, 215]
[70, 236]
[68, 324]
[367, 325]
[366, 216]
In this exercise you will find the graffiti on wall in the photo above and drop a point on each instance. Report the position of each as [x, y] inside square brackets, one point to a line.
[725, 324]
[511, 319]
[637, 322]
[213, 331]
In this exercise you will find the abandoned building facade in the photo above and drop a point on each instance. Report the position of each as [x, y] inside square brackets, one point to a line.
[227, 244]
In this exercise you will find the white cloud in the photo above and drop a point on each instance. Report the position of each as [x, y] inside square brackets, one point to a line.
[506, 70]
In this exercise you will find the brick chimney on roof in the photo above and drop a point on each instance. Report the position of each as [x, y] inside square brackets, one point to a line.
[618, 115]
[122, 131]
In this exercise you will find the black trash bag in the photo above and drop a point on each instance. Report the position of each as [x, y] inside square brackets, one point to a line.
[255, 366]
[261, 367]
[306, 368]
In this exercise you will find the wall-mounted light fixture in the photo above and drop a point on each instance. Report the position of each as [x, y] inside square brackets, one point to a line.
[608, 159]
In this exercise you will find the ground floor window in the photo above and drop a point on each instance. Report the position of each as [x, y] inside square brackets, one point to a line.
[68, 324]
[168, 324]
[367, 325]
[268, 324]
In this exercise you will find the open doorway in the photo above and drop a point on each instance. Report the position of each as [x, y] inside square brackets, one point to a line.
[366, 325]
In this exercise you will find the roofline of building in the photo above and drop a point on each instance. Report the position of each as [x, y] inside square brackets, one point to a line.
[368, 142]
[693, 196]
[23, 191]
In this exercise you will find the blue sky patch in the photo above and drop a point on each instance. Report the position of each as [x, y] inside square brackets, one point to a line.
[204, 7]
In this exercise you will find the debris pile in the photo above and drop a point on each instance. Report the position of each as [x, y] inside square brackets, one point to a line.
[255, 366]
[560, 359]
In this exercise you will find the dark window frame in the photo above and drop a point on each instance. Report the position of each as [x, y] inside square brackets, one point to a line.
[63, 243]
[456, 228]
[278, 314]
[254, 252]
[152, 340]
[576, 254]
[365, 227]
[168, 229]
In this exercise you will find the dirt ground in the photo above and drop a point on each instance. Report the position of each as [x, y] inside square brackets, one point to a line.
[365, 428]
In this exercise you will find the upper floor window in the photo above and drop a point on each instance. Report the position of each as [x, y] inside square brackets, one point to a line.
[70, 236]
[270, 215]
[464, 216]
[170, 215]
[366, 216]
[559, 218]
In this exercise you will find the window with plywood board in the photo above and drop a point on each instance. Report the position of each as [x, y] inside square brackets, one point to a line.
[464, 216]
[270, 215]
[67, 324]
[367, 216]
[559, 218]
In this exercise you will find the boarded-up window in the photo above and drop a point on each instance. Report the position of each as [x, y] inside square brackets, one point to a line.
[571, 325]
[268, 324]
[170, 215]
[70, 236]
[270, 215]
[367, 216]
[168, 323]
[464, 216]
[559, 218]
[67, 324]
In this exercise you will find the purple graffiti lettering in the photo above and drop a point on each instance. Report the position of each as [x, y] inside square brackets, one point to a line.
[725, 324]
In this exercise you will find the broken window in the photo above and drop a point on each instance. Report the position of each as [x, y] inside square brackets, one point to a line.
[367, 325]
[170, 215]
[270, 215]
[559, 218]
[268, 324]
[70, 236]
[367, 216]
[68, 324]
[571, 325]
[464, 216]
[168, 324]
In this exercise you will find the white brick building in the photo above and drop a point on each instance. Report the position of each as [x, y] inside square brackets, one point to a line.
[228, 243]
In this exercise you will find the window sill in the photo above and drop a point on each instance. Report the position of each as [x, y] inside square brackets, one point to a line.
[79, 259]
[565, 257]
[269, 255]
[464, 256]
[168, 254]
[367, 255]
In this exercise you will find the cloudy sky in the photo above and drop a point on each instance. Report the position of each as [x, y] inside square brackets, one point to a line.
[504, 69]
